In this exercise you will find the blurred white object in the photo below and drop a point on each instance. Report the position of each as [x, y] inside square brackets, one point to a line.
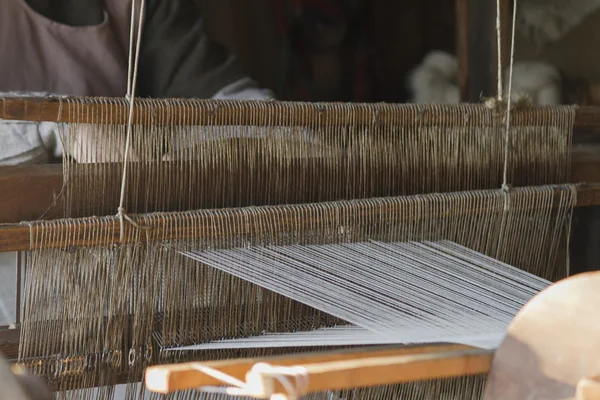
[538, 81]
[545, 21]
[434, 81]
[244, 89]
[23, 142]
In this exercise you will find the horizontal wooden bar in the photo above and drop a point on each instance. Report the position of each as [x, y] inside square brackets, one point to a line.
[9, 346]
[585, 163]
[370, 372]
[30, 192]
[216, 112]
[18, 237]
[409, 364]
[587, 121]
[9, 342]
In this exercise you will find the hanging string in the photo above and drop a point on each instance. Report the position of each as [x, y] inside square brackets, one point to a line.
[130, 96]
[500, 93]
[130, 58]
[510, 79]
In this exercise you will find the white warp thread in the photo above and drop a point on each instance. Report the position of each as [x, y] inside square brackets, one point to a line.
[397, 293]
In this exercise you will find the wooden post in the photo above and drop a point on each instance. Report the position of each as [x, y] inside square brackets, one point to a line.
[477, 46]
[335, 370]
[462, 47]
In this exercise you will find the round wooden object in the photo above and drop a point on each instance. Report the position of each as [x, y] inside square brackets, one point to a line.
[552, 343]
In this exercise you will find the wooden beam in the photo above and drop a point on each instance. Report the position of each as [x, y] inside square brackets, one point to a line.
[585, 163]
[9, 342]
[477, 48]
[32, 191]
[219, 113]
[29, 192]
[587, 124]
[462, 47]
[371, 372]
[9, 345]
[18, 237]
[481, 50]
[333, 370]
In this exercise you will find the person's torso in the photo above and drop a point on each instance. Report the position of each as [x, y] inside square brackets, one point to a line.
[38, 53]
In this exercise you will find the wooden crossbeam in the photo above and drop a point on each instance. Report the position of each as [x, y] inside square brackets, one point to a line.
[9, 342]
[30, 192]
[459, 360]
[336, 370]
[215, 112]
[478, 53]
[18, 237]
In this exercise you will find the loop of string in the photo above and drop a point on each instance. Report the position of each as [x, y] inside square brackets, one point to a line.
[130, 96]
[241, 388]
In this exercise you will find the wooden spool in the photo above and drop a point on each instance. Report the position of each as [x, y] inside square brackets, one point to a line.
[552, 347]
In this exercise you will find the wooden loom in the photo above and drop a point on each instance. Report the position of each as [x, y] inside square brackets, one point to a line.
[16, 238]
[19, 238]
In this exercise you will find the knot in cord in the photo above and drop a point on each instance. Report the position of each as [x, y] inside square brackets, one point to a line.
[130, 97]
[123, 216]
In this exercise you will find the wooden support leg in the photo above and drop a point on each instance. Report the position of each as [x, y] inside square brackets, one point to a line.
[477, 46]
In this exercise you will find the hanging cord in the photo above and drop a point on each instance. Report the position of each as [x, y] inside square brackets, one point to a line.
[130, 96]
[500, 90]
[131, 35]
[510, 81]
[505, 186]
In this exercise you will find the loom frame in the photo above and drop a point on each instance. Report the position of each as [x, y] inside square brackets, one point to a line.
[47, 179]
[16, 203]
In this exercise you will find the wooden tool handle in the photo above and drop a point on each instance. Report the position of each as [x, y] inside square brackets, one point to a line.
[328, 371]
[588, 388]
[368, 372]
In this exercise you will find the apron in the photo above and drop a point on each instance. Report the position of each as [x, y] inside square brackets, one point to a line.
[41, 56]
[38, 54]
